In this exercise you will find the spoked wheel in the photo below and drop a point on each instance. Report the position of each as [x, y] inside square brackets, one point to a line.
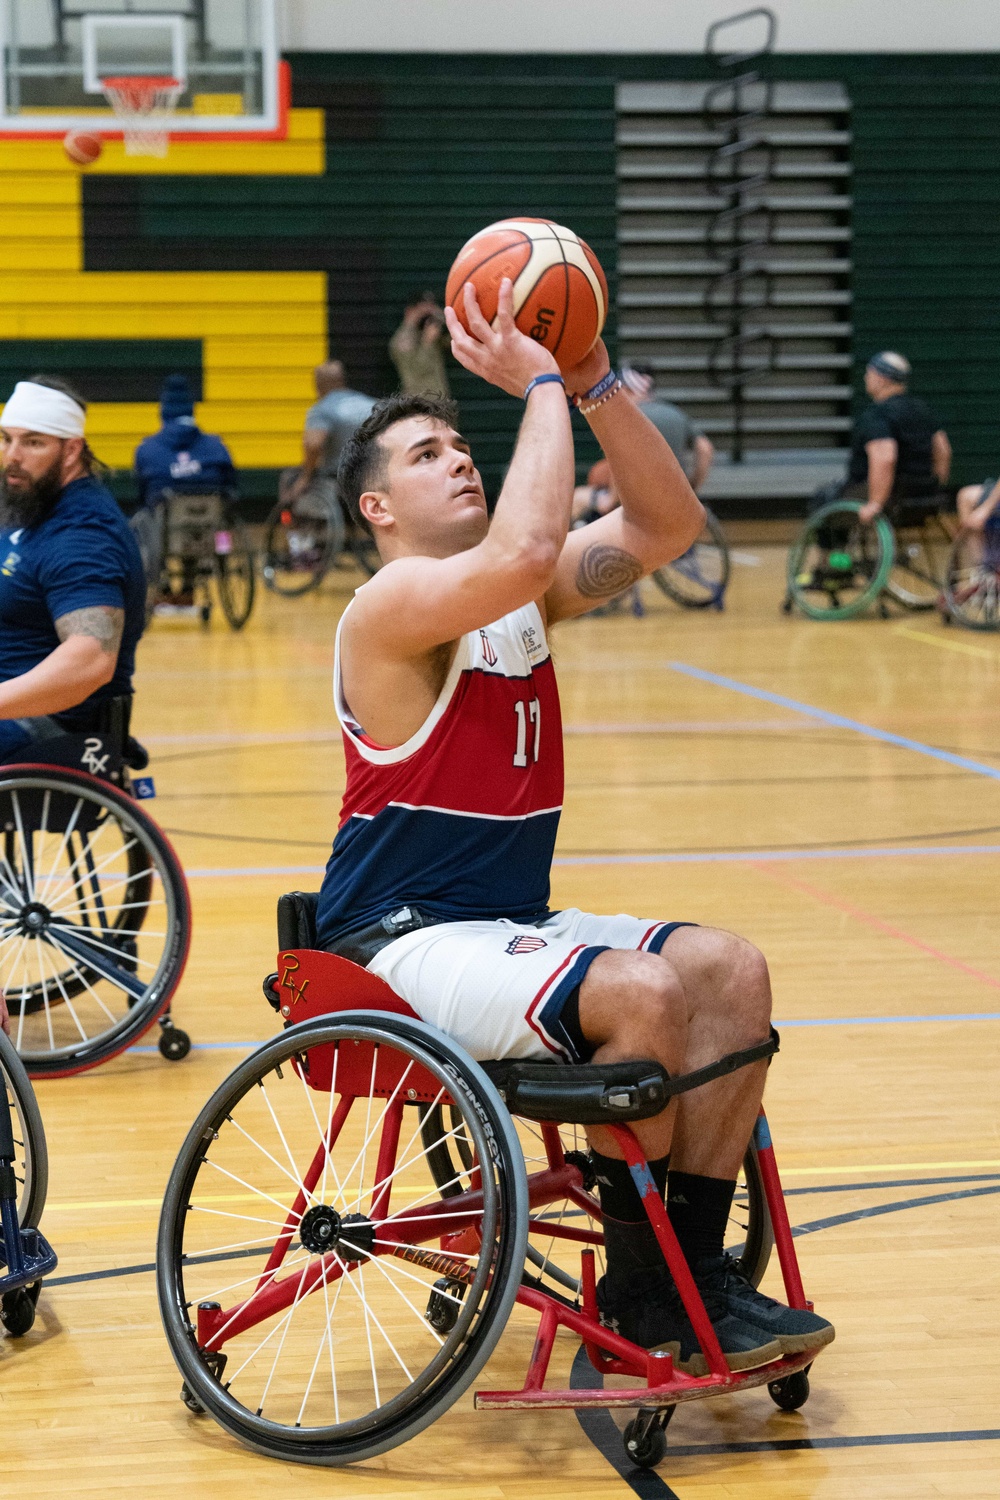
[972, 580]
[324, 1298]
[552, 1259]
[94, 918]
[234, 573]
[838, 567]
[303, 539]
[31, 1162]
[698, 579]
[917, 576]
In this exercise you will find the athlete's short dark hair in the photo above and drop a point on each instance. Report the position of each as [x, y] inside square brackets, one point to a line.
[363, 459]
[56, 383]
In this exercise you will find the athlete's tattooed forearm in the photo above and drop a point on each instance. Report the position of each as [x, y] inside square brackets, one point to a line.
[101, 621]
[605, 571]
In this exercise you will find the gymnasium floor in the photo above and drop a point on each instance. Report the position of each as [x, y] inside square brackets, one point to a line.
[866, 870]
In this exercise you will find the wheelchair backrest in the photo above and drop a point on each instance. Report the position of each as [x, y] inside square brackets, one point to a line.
[188, 518]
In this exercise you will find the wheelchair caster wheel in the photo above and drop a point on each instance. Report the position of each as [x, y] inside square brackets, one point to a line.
[645, 1437]
[174, 1043]
[786, 605]
[444, 1304]
[17, 1312]
[191, 1400]
[792, 1392]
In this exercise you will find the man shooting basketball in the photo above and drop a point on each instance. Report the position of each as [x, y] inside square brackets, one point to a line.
[439, 877]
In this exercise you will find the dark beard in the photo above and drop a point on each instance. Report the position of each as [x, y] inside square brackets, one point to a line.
[29, 506]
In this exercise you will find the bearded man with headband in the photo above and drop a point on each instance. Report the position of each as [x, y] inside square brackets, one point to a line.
[72, 588]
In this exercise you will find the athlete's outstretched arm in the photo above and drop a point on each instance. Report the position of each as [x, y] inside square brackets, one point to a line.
[418, 602]
[659, 518]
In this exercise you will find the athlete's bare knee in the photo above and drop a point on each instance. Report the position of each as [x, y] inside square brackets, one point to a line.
[633, 1003]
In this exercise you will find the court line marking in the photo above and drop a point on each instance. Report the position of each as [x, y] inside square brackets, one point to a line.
[965, 647]
[836, 721]
[876, 924]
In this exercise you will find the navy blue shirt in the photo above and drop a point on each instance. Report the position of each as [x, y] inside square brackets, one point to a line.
[81, 555]
[183, 458]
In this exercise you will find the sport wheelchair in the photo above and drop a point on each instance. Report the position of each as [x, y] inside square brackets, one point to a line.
[187, 541]
[698, 579]
[24, 1172]
[306, 535]
[839, 566]
[95, 919]
[360, 1206]
[972, 580]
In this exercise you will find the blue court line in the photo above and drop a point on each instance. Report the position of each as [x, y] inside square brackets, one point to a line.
[836, 721]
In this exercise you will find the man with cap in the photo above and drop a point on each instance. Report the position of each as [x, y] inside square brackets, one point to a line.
[72, 590]
[180, 456]
[899, 450]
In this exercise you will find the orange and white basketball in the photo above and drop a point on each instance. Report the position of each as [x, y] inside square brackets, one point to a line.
[82, 148]
[560, 291]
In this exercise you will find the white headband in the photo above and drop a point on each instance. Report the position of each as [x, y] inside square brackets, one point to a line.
[38, 408]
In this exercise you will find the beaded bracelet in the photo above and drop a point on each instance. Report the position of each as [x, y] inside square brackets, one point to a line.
[542, 380]
[601, 400]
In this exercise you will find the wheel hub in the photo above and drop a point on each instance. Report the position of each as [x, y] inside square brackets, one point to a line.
[34, 919]
[322, 1229]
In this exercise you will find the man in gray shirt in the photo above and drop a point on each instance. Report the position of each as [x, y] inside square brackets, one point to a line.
[330, 421]
[691, 448]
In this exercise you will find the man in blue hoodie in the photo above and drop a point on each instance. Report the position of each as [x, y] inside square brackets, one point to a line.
[180, 457]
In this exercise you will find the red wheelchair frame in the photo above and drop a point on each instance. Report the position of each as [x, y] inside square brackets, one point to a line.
[310, 985]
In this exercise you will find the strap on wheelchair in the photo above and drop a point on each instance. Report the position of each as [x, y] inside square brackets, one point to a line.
[731, 1063]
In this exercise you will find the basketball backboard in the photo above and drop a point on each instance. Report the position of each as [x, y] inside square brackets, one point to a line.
[224, 53]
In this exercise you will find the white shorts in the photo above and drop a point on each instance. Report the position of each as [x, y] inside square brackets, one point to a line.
[499, 988]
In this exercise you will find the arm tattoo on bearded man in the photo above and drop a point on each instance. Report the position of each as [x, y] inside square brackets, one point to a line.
[605, 571]
[101, 621]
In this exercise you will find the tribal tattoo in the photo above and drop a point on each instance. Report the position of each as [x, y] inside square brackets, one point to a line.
[101, 621]
[606, 571]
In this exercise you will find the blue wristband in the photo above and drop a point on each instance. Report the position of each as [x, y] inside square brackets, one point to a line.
[598, 390]
[542, 380]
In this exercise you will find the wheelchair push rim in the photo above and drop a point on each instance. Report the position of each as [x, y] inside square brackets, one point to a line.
[972, 581]
[329, 1359]
[31, 1162]
[94, 918]
[842, 581]
[303, 538]
[699, 578]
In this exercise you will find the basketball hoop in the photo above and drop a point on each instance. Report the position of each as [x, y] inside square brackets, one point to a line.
[145, 106]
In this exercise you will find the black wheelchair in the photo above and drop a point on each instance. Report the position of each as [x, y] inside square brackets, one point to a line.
[95, 919]
[195, 548]
[25, 1255]
[306, 535]
[839, 566]
[699, 577]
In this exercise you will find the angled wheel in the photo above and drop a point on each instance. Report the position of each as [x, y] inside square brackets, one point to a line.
[304, 1242]
[303, 538]
[31, 1162]
[234, 573]
[972, 580]
[917, 576]
[698, 579]
[838, 566]
[94, 918]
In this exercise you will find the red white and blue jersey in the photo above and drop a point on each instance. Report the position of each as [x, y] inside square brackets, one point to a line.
[461, 820]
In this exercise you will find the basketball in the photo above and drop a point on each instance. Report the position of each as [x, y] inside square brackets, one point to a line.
[560, 291]
[82, 148]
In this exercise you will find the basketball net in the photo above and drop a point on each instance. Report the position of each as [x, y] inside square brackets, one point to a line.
[145, 108]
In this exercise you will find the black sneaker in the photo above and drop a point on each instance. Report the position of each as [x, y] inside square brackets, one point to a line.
[721, 1282]
[655, 1318]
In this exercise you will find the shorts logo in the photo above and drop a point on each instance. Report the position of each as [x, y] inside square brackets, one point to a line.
[526, 944]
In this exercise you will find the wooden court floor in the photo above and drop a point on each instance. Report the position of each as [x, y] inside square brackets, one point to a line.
[709, 778]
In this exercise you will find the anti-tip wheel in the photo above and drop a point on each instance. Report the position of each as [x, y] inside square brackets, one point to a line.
[17, 1311]
[645, 1437]
[174, 1043]
[791, 1392]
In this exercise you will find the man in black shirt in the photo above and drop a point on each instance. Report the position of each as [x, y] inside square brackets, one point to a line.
[899, 450]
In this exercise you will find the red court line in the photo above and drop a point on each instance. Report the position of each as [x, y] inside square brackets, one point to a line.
[874, 922]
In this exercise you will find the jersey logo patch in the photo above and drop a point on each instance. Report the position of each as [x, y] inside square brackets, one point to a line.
[489, 655]
[524, 944]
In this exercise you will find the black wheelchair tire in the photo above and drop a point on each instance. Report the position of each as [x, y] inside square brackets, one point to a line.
[236, 610]
[35, 1183]
[145, 1011]
[955, 607]
[668, 580]
[490, 1122]
[310, 578]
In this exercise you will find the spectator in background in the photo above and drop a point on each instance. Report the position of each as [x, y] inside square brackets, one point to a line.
[417, 349]
[692, 449]
[330, 421]
[180, 456]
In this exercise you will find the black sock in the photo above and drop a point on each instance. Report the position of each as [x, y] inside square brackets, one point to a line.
[631, 1249]
[699, 1212]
